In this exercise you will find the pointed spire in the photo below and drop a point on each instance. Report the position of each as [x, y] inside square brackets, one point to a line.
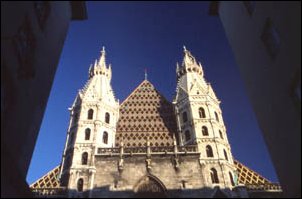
[146, 74]
[184, 48]
[102, 61]
[188, 59]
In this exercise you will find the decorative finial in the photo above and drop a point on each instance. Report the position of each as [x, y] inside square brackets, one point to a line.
[146, 75]
[103, 49]
[184, 48]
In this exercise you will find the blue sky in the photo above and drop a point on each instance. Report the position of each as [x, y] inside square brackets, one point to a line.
[150, 35]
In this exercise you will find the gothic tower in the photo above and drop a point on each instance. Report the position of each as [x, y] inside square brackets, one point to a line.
[200, 122]
[93, 118]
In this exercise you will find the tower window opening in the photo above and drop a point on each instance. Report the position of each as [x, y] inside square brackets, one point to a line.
[80, 185]
[84, 158]
[214, 176]
[220, 133]
[87, 134]
[105, 137]
[107, 118]
[202, 113]
[209, 151]
[216, 116]
[231, 179]
[225, 155]
[90, 114]
[205, 131]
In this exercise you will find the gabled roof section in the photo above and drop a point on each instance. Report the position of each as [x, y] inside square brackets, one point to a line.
[146, 114]
[50, 180]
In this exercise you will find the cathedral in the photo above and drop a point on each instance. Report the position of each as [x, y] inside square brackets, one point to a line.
[147, 146]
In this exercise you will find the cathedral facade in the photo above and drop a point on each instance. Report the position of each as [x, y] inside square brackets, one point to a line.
[147, 146]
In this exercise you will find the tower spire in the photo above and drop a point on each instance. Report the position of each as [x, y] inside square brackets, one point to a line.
[102, 61]
[146, 74]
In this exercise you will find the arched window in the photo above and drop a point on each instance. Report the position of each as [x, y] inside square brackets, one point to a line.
[90, 114]
[107, 118]
[80, 184]
[205, 131]
[216, 116]
[105, 137]
[209, 151]
[84, 158]
[187, 135]
[202, 113]
[214, 176]
[184, 117]
[87, 134]
[220, 133]
[231, 179]
[225, 155]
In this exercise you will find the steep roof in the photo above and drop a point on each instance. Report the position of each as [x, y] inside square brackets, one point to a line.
[146, 114]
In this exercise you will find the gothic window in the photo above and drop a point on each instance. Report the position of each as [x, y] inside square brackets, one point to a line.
[105, 137]
[216, 116]
[220, 133]
[80, 184]
[107, 118]
[231, 179]
[84, 158]
[209, 151]
[187, 135]
[214, 176]
[87, 134]
[205, 131]
[90, 114]
[225, 154]
[184, 117]
[202, 113]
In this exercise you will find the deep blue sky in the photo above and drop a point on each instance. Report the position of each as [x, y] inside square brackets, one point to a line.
[149, 35]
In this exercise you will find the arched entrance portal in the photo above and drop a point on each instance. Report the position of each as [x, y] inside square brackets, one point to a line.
[150, 187]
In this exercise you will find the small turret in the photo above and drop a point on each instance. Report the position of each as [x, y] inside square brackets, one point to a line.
[189, 64]
[100, 67]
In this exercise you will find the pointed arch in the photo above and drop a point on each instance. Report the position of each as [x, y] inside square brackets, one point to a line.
[107, 117]
[220, 134]
[209, 151]
[205, 131]
[105, 137]
[87, 133]
[214, 176]
[84, 158]
[216, 116]
[202, 113]
[80, 184]
[231, 179]
[225, 155]
[90, 114]
[149, 185]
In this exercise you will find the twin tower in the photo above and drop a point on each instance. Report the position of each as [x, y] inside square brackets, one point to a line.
[148, 146]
